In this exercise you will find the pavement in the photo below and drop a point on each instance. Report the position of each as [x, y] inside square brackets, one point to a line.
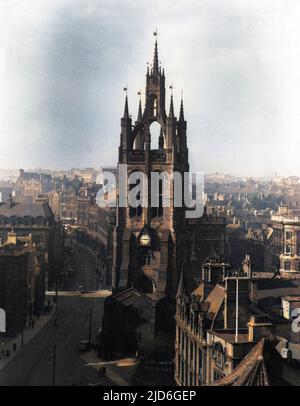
[28, 334]
[35, 364]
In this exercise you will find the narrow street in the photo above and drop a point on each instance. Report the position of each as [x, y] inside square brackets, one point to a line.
[33, 365]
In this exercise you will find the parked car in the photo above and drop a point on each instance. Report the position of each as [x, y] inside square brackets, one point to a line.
[80, 289]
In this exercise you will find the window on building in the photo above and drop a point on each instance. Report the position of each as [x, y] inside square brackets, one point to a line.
[287, 265]
[158, 211]
[217, 375]
[155, 107]
[288, 235]
[191, 378]
[182, 371]
[178, 337]
[288, 249]
[148, 257]
[135, 211]
[219, 354]
[200, 367]
[191, 351]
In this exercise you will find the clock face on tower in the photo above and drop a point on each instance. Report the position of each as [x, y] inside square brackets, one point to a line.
[144, 240]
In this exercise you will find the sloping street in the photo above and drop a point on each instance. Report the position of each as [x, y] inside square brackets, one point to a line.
[34, 364]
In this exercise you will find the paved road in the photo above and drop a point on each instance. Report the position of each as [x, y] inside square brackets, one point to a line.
[85, 270]
[33, 365]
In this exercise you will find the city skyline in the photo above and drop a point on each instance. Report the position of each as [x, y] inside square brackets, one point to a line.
[62, 81]
[150, 228]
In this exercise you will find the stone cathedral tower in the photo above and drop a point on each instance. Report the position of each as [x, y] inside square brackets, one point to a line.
[148, 241]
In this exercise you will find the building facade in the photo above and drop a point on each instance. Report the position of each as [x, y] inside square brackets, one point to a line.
[22, 282]
[283, 249]
[35, 218]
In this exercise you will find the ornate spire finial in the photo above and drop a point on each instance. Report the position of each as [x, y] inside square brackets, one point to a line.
[181, 291]
[126, 111]
[140, 106]
[155, 58]
[171, 111]
[181, 113]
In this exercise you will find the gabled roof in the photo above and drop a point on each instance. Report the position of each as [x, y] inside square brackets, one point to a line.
[215, 300]
[262, 366]
[181, 291]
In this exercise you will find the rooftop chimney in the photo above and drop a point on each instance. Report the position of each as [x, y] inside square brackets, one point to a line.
[259, 326]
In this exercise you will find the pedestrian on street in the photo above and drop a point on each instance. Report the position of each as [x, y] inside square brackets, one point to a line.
[7, 353]
[14, 347]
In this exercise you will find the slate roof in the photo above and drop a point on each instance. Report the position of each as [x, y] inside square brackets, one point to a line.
[215, 300]
[22, 209]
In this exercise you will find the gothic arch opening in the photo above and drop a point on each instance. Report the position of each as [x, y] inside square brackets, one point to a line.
[137, 143]
[155, 129]
[157, 209]
[135, 211]
[153, 105]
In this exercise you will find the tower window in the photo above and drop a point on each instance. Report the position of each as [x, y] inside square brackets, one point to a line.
[148, 258]
[158, 211]
[155, 107]
[135, 211]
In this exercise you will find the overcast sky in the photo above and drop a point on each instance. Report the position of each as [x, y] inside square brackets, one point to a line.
[64, 63]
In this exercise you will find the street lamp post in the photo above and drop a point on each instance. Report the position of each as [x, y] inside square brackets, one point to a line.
[56, 284]
[90, 326]
[53, 365]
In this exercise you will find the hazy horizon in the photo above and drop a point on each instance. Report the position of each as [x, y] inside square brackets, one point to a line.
[63, 66]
